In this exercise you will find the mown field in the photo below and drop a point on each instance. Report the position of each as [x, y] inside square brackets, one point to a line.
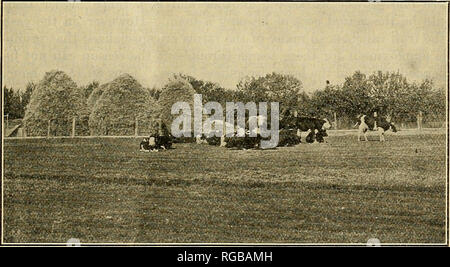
[105, 190]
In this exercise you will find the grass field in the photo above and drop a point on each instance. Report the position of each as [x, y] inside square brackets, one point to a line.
[105, 190]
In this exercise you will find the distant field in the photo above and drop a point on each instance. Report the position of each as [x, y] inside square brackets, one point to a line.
[105, 190]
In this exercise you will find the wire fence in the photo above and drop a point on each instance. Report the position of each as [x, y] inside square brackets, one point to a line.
[79, 127]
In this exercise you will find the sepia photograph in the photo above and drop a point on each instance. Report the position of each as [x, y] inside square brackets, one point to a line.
[224, 123]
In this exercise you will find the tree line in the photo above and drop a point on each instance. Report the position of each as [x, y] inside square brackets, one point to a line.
[115, 107]
[16, 101]
[389, 94]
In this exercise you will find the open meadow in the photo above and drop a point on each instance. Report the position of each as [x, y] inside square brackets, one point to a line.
[105, 190]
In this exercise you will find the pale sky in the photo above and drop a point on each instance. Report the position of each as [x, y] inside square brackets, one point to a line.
[223, 42]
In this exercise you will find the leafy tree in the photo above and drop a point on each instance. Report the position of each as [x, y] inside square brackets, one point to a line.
[394, 96]
[323, 103]
[354, 98]
[390, 93]
[431, 101]
[284, 89]
[436, 105]
[12, 102]
[26, 96]
[210, 91]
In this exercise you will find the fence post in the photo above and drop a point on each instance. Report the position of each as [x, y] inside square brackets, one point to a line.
[417, 121]
[24, 131]
[421, 119]
[136, 126]
[48, 129]
[73, 127]
[335, 121]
